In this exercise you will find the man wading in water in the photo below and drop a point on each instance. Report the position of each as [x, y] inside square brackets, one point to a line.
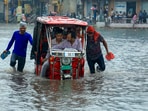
[21, 38]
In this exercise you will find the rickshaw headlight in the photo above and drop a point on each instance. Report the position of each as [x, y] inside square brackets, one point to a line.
[66, 61]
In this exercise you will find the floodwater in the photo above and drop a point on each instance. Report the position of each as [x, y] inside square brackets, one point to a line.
[123, 86]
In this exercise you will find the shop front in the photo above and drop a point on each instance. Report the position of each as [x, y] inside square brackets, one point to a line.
[128, 6]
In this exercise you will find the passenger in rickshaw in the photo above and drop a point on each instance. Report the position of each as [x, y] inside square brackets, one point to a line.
[58, 39]
[53, 32]
[71, 42]
[78, 32]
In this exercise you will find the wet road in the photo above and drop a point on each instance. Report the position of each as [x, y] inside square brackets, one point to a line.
[122, 87]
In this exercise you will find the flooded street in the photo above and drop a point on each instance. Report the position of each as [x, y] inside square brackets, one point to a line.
[123, 86]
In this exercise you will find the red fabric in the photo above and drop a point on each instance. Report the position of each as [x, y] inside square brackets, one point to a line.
[96, 35]
[91, 29]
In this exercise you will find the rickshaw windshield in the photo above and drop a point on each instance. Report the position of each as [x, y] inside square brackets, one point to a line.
[48, 27]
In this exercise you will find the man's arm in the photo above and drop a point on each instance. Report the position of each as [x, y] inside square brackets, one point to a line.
[105, 45]
[30, 39]
[10, 43]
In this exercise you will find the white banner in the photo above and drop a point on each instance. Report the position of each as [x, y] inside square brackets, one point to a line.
[120, 6]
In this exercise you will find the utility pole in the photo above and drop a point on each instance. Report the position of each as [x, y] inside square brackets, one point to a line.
[6, 10]
[19, 3]
[7, 14]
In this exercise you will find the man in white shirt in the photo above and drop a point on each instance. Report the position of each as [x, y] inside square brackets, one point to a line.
[58, 39]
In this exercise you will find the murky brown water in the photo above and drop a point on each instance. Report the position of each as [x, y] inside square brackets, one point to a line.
[122, 87]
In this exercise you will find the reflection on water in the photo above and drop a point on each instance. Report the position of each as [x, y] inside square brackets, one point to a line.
[66, 95]
[122, 87]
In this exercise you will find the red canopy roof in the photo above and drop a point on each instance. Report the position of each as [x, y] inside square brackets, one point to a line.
[61, 20]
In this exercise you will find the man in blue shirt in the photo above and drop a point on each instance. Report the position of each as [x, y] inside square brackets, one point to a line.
[21, 38]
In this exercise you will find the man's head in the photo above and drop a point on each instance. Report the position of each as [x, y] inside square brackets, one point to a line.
[71, 36]
[78, 29]
[59, 35]
[90, 30]
[23, 26]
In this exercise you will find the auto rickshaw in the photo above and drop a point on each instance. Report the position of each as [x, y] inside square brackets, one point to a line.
[66, 63]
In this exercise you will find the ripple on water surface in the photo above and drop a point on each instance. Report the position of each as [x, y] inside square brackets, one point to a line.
[122, 87]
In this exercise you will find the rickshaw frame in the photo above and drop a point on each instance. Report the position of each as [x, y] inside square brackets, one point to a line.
[43, 27]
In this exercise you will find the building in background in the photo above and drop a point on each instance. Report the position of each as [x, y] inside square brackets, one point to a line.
[1, 10]
[10, 9]
[103, 7]
[127, 6]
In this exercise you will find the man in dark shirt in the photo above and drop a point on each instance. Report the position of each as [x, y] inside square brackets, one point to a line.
[93, 50]
[21, 38]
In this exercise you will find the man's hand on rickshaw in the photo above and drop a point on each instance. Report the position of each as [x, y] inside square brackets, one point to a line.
[43, 60]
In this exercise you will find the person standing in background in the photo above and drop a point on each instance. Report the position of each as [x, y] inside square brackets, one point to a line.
[144, 16]
[101, 14]
[135, 18]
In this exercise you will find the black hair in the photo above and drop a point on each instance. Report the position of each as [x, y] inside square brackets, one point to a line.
[59, 31]
[73, 34]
